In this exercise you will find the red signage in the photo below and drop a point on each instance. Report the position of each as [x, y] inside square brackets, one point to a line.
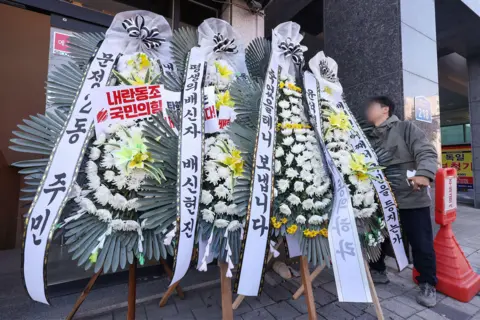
[60, 41]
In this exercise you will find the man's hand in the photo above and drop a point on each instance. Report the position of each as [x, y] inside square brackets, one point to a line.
[419, 182]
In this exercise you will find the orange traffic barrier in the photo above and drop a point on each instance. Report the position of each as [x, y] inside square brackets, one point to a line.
[456, 277]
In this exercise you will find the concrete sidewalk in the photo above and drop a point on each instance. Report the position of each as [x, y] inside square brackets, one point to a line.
[202, 298]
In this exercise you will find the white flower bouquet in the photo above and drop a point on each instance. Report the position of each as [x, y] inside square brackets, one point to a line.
[303, 193]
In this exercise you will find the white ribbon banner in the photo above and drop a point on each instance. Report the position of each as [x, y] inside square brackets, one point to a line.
[190, 161]
[260, 203]
[210, 116]
[360, 143]
[347, 258]
[61, 173]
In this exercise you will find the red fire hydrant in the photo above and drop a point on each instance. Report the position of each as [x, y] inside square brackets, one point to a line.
[456, 277]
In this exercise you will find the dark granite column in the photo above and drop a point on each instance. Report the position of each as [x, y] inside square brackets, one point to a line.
[386, 47]
[474, 105]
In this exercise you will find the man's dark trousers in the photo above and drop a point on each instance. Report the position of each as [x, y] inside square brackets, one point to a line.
[417, 226]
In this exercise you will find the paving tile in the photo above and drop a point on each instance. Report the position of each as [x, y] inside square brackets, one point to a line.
[121, 314]
[277, 293]
[211, 296]
[471, 309]
[356, 309]
[283, 311]
[387, 314]
[306, 317]
[384, 293]
[398, 308]
[192, 300]
[106, 316]
[476, 317]
[257, 314]
[291, 286]
[322, 297]
[366, 316]
[300, 304]
[450, 312]
[242, 308]
[409, 301]
[324, 277]
[330, 287]
[475, 301]
[414, 317]
[208, 312]
[260, 301]
[155, 312]
[272, 278]
[334, 312]
[429, 314]
[474, 259]
[401, 282]
[468, 251]
[182, 315]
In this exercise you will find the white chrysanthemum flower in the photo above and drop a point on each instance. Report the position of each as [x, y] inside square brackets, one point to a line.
[315, 220]
[296, 110]
[285, 114]
[214, 152]
[221, 223]
[232, 209]
[208, 215]
[300, 219]
[295, 119]
[104, 215]
[369, 198]
[306, 175]
[320, 190]
[118, 201]
[275, 192]
[100, 139]
[209, 142]
[300, 138]
[134, 184]
[291, 173]
[87, 205]
[298, 186]
[283, 185]
[93, 182]
[364, 186]
[213, 177]
[221, 191]
[293, 199]
[310, 190]
[287, 132]
[108, 161]
[132, 204]
[102, 195]
[94, 153]
[319, 205]
[91, 168]
[294, 100]
[279, 152]
[278, 166]
[353, 179]
[283, 77]
[234, 225]
[120, 181]
[300, 159]
[366, 213]
[307, 154]
[287, 91]
[298, 148]
[109, 175]
[206, 197]
[307, 204]
[220, 207]
[288, 141]
[300, 131]
[284, 104]
[357, 199]
[284, 209]
[224, 172]
[289, 158]
[307, 165]
[210, 166]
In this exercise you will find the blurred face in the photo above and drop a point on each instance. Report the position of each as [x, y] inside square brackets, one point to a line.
[376, 113]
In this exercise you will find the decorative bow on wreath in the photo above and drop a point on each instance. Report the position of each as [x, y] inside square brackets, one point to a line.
[136, 29]
[223, 44]
[293, 50]
[326, 72]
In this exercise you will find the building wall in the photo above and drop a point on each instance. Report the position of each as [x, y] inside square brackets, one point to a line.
[474, 105]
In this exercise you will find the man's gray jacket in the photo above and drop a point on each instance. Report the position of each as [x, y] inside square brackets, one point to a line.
[411, 151]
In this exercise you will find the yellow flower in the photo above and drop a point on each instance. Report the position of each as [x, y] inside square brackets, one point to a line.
[224, 99]
[328, 90]
[144, 61]
[359, 166]
[235, 162]
[238, 169]
[93, 257]
[339, 120]
[282, 84]
[324, 232]
[224, 71]
[293, 87]
[283, 220]
[138, 160]
[292, 229]
[273, 219]
[137, 81]
[277, 225]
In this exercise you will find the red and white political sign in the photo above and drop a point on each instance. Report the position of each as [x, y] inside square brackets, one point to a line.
[60, 41]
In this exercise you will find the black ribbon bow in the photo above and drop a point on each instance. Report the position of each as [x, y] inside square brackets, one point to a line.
[223, 44]
[293, 50]
[136, 29]
[326, 72]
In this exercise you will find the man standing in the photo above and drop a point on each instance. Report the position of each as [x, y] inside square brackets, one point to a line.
[410, 151]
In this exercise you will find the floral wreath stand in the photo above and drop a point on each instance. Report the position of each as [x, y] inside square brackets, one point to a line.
[132, 288]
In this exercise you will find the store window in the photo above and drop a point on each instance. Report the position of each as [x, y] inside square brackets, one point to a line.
[457, 134]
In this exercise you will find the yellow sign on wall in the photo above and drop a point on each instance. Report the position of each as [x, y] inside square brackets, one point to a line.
[460, 158]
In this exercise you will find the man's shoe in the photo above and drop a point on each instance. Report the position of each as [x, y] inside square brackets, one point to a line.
[427, 296]
[379, 277]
